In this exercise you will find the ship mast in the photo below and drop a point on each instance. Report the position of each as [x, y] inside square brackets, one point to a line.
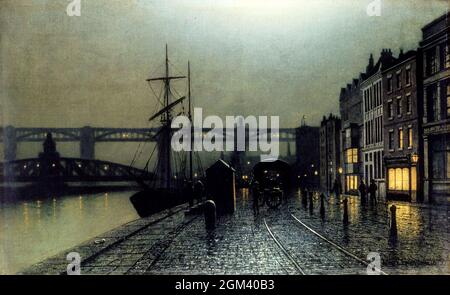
[190, 119]
[166, 124]
[163, 143]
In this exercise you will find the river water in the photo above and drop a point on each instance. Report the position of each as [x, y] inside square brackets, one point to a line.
[31, 231]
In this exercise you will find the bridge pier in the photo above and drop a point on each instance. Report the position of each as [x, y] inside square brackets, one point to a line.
[10, 143]
[87, 143]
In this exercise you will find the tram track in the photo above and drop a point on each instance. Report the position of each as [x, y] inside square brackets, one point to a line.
[296, 261]
[336, 246]
[284, 250]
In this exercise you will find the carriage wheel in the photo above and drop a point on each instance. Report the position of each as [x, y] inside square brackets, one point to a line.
[274, 199]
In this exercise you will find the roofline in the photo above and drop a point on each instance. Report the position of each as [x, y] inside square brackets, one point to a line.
[444, 16]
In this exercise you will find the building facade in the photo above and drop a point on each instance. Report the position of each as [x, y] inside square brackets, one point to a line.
[402, 113]
[308, 156]
[434, 52]
[372, 94]
[330, 152]
[350, 102]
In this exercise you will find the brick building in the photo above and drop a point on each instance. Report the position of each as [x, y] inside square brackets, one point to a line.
[350, 102]
[402, 113]
[330, 152]
[372, 94]
[435, 56]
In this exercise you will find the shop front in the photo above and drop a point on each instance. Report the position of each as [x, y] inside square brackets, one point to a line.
[402, 178]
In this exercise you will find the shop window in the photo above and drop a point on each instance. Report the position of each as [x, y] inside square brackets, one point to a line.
[352, 182]
[440, 157]
[399, 179]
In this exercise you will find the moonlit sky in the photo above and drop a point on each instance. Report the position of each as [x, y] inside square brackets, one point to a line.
[248, 57]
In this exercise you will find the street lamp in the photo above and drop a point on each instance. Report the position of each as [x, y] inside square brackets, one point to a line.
[414, 157]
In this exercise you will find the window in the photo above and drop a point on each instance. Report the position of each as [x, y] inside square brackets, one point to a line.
[433, 108]
[408, 76]
[389, 84]
[410, 137]
[390, 110]
[398, 79]
[440, 157]
[391, 139]
[447, 56]
[408, 104]
[448, 98]
[352, 182]
[400, 138]
[431, 62]
[399, 179]
[399, 107]
[352, 156]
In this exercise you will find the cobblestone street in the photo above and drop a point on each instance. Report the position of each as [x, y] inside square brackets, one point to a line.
[242, 244]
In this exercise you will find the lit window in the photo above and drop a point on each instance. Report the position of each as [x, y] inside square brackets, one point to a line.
[352, 182]
[399, 179]
[410, 137]
[413, 178]
[400, 138]
[352, 156]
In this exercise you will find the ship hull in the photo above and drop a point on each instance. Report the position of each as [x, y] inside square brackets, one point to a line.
[151, 201]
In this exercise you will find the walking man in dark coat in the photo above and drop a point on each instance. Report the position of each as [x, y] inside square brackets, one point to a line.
[362, 191]
[373, 191]
[255, 195]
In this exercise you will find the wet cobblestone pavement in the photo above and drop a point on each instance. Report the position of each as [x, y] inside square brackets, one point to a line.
[241, 243]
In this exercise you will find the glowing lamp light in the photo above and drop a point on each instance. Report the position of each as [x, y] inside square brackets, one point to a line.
[414, 158]
[340, 170]
[316, 173]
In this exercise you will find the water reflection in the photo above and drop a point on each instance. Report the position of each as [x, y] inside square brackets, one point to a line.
[31, 231]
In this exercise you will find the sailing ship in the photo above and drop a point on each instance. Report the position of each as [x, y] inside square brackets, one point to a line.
[165, 188]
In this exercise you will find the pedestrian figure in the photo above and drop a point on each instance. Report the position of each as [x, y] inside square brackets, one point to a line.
[198, 191]
[255, 195]
[337, 188]
[322, 205]
[362, 191]
[188, 192]
[372, 191]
